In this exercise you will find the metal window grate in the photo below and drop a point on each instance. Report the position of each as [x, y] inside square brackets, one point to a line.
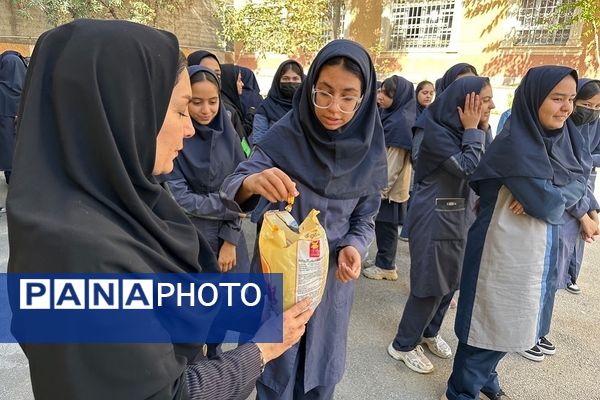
[535, 21]
[421, 24]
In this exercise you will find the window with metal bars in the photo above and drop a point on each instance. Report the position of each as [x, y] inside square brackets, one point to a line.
[539, 23]
[421, 24]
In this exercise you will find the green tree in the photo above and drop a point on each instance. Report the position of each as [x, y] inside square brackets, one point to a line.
[293, 27]
[143, 11]
[586, 12]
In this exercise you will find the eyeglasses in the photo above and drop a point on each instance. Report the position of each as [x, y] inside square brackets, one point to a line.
[345, 104]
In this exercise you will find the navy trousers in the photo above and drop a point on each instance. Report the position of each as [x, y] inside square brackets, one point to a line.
[474, 371]
[422, 317]
[386, 234]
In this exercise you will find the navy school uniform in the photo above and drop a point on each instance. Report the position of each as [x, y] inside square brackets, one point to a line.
[508, 272]
[12, 78]
[397, 122]
[199, 170]
[440, 215]
[341, 173]
[569, 269]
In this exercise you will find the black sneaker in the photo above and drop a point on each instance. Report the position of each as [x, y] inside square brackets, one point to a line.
[494, 396]
[533, 354]
[546, 346]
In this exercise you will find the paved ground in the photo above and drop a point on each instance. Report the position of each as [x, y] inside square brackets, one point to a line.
[573, 373]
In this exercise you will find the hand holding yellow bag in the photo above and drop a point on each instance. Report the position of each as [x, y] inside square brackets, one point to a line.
[300, 253]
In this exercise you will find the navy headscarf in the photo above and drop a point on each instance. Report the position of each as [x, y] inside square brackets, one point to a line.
[443, 128]
[343, 164]
[441, 84]
[276, 105]
[250, 97]
[12, 77]
[524, 148]
[591, 131]
[196, 57]
[450, 76]
[229, 77]
[212, 153]
[399, 118]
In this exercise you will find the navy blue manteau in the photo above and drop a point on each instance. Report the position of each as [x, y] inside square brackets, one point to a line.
[510, 270]
[340, 174]
[12, 78]
[212, 153]
[399, 118]
[206, 159]
[342, 164]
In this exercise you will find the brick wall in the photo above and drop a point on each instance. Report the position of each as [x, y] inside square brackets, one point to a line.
[20, 33]
[196, 28]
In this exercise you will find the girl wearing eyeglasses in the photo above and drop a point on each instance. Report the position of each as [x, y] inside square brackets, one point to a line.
[329, 152]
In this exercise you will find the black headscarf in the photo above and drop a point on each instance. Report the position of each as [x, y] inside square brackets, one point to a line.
[443, 128]
[343, 164]
[196, 57]
[524, 148]
[212, 153]
[399, 118]
[229, 77]
[250, 97]
[12, 76]
[87, 142]
[276, 105]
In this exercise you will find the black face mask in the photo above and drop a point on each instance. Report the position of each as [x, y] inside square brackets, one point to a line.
[584, 115]
[288, 89]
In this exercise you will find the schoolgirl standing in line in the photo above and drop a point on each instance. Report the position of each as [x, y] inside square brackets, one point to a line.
[579, 224]
[586, 116]
[440, 216]
[424, 94]
[329, 151]
[12, 77]
[529, 175]
[286, 81]
[398, 113]
[231, 90]
[200, 168]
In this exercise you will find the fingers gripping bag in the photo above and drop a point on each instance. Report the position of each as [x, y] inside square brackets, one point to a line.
[300, 253]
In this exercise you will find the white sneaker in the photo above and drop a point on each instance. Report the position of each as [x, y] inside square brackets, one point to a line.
[438, 346]
[368, 263]
[380, 273]
[414, 359]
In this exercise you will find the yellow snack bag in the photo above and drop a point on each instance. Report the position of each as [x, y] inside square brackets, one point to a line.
[300, 253]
